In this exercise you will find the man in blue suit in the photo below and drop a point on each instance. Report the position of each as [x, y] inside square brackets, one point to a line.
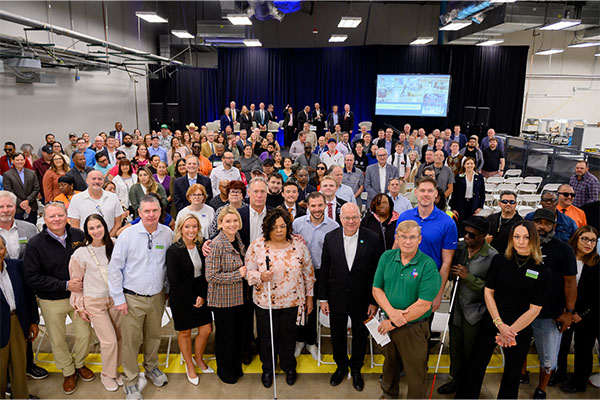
[182, 184]
[378, 175]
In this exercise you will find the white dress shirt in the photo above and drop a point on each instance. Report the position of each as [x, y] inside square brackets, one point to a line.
[196, 261]
[469, 189]
[256, 221]
[219, 173]
[333, 204]
[11, 237]
[382, 179]
[350, 245]
[7, 289]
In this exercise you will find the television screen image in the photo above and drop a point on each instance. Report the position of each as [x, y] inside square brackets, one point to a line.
[412, 95]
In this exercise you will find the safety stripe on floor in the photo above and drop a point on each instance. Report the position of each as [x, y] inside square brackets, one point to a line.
[306, 364]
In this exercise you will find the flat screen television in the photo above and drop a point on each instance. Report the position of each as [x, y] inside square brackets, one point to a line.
[412, 95]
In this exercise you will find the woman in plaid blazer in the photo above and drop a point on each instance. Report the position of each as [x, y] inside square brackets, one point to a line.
[225, 271]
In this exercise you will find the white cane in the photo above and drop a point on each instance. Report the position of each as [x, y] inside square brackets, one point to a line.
[437, 365]
[267, 263]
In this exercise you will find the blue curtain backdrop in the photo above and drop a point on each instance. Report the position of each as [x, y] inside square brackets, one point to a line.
[486, 77]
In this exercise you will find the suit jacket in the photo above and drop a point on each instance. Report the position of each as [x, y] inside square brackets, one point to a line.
[26, 231]
[80, 184]
[181, 186]
[319, 123]
[286, 120]
[372, 180]
[349, 291]
[235, 113]
[457, 201]
[26, 305]
[338, 208]
[264, 120]
[300, 211]
[272, 116]
[113, 134]
[246, 122]
[206, 151]
[348, 123]
[183, 287]
[301, 118]
[245, 231]
[381, 145]
[330, 124]
[226, 121]
[28, 191]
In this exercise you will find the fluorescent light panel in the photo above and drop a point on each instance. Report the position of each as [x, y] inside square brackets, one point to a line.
[349, 22]
[562, 24]
[421, 40]
[336, 38]
[597, 54]
[252, 43]
[548, 52]
[584, 44]
[503, 1]
[182, 34]
[151, 16]
[491, 42]
[456, 25]
[239, 19]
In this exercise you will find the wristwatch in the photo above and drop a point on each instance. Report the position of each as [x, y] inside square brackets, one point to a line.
[570, 310]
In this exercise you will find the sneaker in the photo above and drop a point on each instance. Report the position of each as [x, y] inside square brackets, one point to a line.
[119, 379]
[524, 379]
[109, 383]
[132, 392]
[142, 381]
[298, 350]
[313, 350]
[557, 377]
[35, 372]
[157, 377]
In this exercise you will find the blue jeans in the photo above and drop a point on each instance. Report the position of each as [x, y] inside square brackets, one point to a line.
[547, 342]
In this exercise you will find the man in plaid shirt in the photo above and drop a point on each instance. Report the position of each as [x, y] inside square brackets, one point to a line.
[585, 185]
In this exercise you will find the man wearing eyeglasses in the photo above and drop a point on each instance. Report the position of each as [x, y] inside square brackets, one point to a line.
[224, 171]
[565, 227]
[501, 223]
[348, 265]
[136, 280]
[566, 195]
[204, 165]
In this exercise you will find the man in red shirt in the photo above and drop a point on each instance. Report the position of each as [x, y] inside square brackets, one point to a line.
[5, 162]
[41, 165]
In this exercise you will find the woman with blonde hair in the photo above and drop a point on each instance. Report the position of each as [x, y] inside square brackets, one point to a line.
[124, 181]
[415, 163]
[196, 195]
[187, 294]
[58, 168]
[146, 184]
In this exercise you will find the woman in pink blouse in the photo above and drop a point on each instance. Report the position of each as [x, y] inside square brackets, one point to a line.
[89, 263]
[292, 278]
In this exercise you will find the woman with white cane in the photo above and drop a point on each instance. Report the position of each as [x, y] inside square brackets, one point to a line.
[282, 292]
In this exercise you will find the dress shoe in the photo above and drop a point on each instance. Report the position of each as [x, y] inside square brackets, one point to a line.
[208, 369]
[266, 379]
[539, 394]
[357, 381]
[448, 388]
[571, 388]
[557, 377]
[85, 374]
[193, 381]
[298, 349]
[35, 372]
[119, 379]
[247, 358]
[110, 384]
[338, 376]
[70, 384]
[290, 377]
[313, 350]
[524, 379]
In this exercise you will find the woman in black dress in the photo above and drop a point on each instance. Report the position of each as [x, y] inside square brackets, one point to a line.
[187, 294]
[382, 219]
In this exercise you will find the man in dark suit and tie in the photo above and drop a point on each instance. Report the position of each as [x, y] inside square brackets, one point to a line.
[290, 200]
[318, 119]
[333, 204]
[182, 184]
[118, 133]
[348, 264]
[303, 116]
[289, 126]
[235, 113]
[262, 117]
[347, 120]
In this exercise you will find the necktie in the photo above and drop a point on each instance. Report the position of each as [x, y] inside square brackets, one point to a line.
[345, 116]
[330, 210]
[291, 215]
[564, 210]
[212, 148]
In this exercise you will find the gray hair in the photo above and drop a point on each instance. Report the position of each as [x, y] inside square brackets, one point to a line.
[255, 180]
[26, 147]
[9, 195]
[58, 204]
[150, 199]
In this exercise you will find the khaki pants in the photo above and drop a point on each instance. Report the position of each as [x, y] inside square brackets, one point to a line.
[55, 313]
[13, 361]
[107, 324]
[142, 324]
[408, 346]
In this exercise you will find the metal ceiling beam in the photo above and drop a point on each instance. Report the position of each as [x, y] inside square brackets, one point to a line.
[32, 23]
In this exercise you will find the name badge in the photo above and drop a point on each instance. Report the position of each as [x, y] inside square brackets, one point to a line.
[23, 240]
[532, 274]
[159, 247]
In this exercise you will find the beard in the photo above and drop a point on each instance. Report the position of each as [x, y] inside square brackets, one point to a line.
[127, 144]
[546, 237]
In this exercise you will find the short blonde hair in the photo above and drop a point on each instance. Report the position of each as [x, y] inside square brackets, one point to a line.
[179, 226]
[195, 188]
[331, 178]
[228, 210]
[406, 226]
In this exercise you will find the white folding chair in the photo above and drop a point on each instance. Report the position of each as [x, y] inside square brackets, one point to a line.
[273, 127]
[553, 187]
[409, 186]
[167, 318]
[323, 322]
[515, 180]
[505, 186]
[213, 126]
[496, 180]
[526, 188]
[368, 124]
[531, 200]
[485, 212]
[512, 173]
[489, 199]
[490, 187]
[534, 180]
[524, 210]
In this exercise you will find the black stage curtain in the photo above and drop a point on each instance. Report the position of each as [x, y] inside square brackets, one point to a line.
[487, 77]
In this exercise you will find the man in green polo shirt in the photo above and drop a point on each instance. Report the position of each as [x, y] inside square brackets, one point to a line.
[405, 285]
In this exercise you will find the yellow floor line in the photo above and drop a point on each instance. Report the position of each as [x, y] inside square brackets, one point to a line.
[306, 364]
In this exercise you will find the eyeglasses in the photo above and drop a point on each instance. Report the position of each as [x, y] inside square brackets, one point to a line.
[548, 200]
[508, 202]
[567, 194]
[321, 168]
[404, 238]
[588, 240]
[196, 147]
[196, 195]
[355, 218]
[471, 235]
[235, 191]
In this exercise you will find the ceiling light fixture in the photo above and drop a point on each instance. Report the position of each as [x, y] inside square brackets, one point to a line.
[503, 1]
[583, 44]
[252, 43]
[151, 16]
[337, 38]
[349, 22]
[421, 40]
[597, 54]
[239, 19]
[562, 24]
[548, 52]
[491, 42]
[182, 34]
[456, 25]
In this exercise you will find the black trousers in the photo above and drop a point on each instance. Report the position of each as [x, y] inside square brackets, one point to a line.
[483, 348]
[308, 333]
[339, 338]
[228, 342]
[586, 334]
[563, 353]
[284, 337]
[289, 135]
[248, 325]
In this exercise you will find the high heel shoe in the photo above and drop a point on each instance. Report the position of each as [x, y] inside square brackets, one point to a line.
[193, 381]
[208, 369]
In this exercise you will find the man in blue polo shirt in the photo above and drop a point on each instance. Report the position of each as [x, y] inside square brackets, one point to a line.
[439, 233]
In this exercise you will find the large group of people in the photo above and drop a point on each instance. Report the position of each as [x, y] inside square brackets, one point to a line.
[252, 235]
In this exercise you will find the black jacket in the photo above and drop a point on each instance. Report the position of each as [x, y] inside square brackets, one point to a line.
[183, 287]
[457, 201]
[181, 186]
[46, 263]
[80, 184]
[349, 291]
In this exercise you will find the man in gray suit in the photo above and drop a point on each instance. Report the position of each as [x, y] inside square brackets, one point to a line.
[24, 183]
[378, 175]
[16, 235]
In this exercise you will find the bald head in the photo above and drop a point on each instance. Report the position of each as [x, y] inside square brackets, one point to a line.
[350, 218]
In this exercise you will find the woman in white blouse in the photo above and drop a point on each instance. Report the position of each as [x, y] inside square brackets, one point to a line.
[124, 180]
[196, 195]
[89, 264]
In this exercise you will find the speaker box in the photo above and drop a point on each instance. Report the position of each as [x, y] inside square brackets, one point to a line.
[172, 115]
[469, 115]
[156, 115]
[483, 117]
